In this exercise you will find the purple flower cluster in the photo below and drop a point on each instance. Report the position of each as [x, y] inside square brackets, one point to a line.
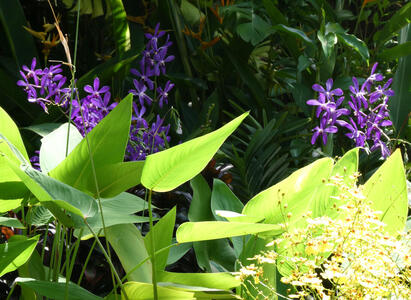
[90, 110]
[366, 119]
[44, 87]
[143, 138]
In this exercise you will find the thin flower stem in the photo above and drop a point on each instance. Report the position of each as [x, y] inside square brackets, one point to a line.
[113, 269]
[153, 250]
[83, 270]
[69, 269]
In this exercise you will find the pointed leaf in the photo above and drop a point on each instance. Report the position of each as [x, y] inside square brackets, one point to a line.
[144, 291]
[163, 233]
[387, 190]
[11, 222]
[128, 244]
[211, 230]
[107, 142]
[222, 198]
[166, 170]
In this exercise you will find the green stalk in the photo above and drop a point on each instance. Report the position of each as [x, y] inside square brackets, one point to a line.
[70, 265]
[83, 270]
[44, 244]
[153, 250]
[113, 269]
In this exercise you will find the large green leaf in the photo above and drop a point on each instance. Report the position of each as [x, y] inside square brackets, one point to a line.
[107, 142]
[15, 254]
[53, 146]
[401, 18]
[57, 290]
[211, 230]
[162, 233]
[298, 192]
[293, 32]
[144, 291]
[401, 50]
[116, 178]
[166, 170]
[224, 281]
[200, 206]
[20, 42]
[387, 191]
[65, 195]
[128, 244]
[400, 104]
[11, 188]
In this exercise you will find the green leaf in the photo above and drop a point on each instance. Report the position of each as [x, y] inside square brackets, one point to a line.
[211, 230]
[200, 206]
[128, 244]
[396, 52]
[15, 254]
[43, 129]
[107, 141]
[144, 291]
[178, 252]
[387, 190]
[355, 43]
[275, 14]
[20, 42]
[298, 192]
[38, 216]
[397, 21]
[9, 129]
[254, 31]
[191, 13]
[327, 42]
[166, 170]
[162, 233]
[57, 290]
[222, 198]
[64, 195]
[400, 104]
[294, 32]
[223, 281]
[121, 32]
[116, 178]
[53, 146]
[11, 222]
[124, 203]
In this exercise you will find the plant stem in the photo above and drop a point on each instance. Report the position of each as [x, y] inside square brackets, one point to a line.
[113, 269]
[153, 250]
[83, 270]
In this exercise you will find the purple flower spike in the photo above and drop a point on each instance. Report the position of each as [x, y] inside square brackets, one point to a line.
[138, 116]
[154, 37]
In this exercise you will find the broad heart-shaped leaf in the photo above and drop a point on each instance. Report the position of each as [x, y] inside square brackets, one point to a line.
[211, 230]
[57, 290]
[144, 291]
[107, 141]
[222, 198]
[53, 146]
[298, 191]
[116, 178]
[15, 254]
[128, 244]
[68, 197]
[223, 281]
[387, 190]
[162, 233]
[166, 170]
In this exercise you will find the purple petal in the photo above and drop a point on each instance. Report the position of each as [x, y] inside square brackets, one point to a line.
[318, 88]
